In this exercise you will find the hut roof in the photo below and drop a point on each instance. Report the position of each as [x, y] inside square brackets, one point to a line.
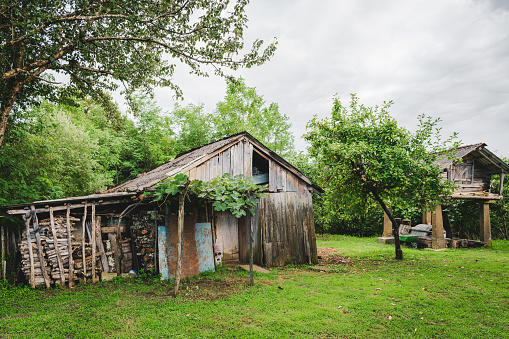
[481, 155]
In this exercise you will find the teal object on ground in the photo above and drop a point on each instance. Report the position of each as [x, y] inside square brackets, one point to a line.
[408, 237]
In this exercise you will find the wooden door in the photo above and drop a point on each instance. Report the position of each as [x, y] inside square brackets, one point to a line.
[227, 233]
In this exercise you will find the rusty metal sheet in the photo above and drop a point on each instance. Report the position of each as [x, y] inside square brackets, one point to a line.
[203, 237]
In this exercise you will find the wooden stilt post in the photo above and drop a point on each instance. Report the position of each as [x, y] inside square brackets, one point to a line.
[92, 234]
[27, 218]
[39, 247]
[69, 245]
[437, 237]
[426, 217]
[57, 247]
[4, 269]
[83, 243]
[387, 226]
[485, 223]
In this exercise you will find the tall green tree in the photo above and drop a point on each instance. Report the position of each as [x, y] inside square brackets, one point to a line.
[101, 43]
[244, 110]
[194, 127]
[149, 139]
[363, 155]
[50, 153]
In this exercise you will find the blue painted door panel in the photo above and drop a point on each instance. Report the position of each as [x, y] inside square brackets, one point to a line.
[203, 237]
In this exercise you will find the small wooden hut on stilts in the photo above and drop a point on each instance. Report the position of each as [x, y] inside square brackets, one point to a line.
[471, 170]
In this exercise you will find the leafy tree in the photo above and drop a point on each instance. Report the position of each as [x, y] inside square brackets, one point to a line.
[363, 154]
[149, 139]
[194, 127]
[50, 153]
[101, 43]
[244, 110]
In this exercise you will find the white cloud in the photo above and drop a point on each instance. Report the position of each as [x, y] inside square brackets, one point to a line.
[445, 58]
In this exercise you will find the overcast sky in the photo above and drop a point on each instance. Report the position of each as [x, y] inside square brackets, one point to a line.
[444, 58]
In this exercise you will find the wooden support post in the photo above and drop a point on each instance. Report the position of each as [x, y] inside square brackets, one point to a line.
[118, 248]
[27, 218]
[69, 245]
[112, 237]
[100, 245]
[92, 233]
[251, 250]
[180, 239]
[57, 247]
[387, 226]
[437, 236]
[501, 183]
[426, 217]
[485, 223]
[4, 269]
[156, 249]
[83, 243]
[39, 247]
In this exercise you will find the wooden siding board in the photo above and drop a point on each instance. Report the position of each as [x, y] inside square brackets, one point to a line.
[292, 183]
[280, 179]
[272, 176]
[226, 161]
[248, 159]
[192, 174]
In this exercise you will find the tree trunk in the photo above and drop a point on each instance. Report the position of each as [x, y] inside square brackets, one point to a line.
[395, 226]
[180, 239]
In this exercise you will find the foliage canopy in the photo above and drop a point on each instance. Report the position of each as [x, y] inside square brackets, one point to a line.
[363, 155]
[101, 43]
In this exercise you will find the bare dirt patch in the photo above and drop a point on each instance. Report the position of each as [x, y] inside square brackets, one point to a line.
[330, 256]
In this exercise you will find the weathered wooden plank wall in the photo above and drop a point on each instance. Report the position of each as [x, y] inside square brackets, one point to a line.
[244, 237]
[283, 223]
[287, 229]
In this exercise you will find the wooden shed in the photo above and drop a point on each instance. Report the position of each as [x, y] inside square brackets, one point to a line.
[126, 219]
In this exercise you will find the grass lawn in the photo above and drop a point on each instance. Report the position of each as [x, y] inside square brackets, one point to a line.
[460, 293]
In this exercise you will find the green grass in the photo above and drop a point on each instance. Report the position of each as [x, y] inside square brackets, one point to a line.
[462, 293]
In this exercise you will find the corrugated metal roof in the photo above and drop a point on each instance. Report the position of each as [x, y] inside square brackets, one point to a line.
[164, 171]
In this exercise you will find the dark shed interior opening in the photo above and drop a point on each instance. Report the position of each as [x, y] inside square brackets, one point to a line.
[260, 169]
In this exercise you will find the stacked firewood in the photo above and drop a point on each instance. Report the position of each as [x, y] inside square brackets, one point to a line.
[144, 229]
[54, 255]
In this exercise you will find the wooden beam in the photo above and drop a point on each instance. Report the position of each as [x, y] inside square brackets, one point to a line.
[251, 240]
[180, 239]
[426, 217]
[64, 207]
[30, 251]
[92, 233]
[4, 262]
[485, 223]
[57, 248]
[494, 163]
[437, 235]
[100, 245]
[387, 226]
[84, 223]
[69, 245]
[39, 247]
[501, 183]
